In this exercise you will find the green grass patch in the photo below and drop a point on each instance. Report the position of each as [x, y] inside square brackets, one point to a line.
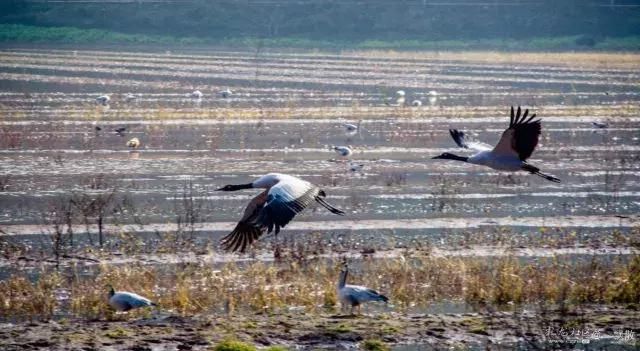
[233, 345]
[117, 333]
[374, 345]
[342, 328]
[31, 34]
[276, 348]
[17, 33]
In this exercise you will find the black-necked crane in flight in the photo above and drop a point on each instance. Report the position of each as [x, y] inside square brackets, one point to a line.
[284, 197]
[512, 151]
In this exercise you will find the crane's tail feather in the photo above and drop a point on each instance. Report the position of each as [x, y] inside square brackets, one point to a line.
[548, 177]
[326, 205]
[535, 170]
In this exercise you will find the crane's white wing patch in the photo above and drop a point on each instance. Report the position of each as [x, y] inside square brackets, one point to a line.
[464, 142]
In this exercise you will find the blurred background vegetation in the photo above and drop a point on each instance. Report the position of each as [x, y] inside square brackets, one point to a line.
[396, 24]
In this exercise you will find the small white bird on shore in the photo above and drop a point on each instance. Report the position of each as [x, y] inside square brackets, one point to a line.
[103, 100]
[355, 295]
[125, 301]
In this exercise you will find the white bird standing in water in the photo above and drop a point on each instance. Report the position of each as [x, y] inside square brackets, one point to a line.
[510, 154]
[226, 93]
[355, 295]
[134, 143]
[197, 94]
[125, 301]
[283, 198]
[351, 129]
[355, 167]
[433, 97]
[400, 99]
[416, 103]
[343, 151]
[103, 100]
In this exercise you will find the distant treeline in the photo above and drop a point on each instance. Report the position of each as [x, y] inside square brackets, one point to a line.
[588, 22]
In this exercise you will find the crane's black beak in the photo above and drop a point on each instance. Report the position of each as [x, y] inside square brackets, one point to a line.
[437, 157]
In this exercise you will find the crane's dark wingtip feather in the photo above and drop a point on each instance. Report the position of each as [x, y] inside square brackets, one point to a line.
[458, 137]
[240, 238]
[512, 116]
[553, 179]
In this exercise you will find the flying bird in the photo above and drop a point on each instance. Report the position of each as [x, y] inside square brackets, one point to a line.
[284, 197]
[515, 146]
[355, 295]
[125, 301]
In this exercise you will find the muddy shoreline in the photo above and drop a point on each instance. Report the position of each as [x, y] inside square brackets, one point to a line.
[161, 330]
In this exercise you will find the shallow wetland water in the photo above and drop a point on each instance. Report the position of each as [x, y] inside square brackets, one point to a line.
[286, 112]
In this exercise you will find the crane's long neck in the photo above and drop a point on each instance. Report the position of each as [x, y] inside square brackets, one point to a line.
[343, 278]
[241, 186]
[459, 158]
[111, 291]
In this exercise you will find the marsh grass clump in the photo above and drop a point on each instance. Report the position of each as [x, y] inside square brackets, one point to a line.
[22, 298]
[276, 348]
[233, 345]
[626, 285]
[117, 333]
[374, 345]
[475, 325]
